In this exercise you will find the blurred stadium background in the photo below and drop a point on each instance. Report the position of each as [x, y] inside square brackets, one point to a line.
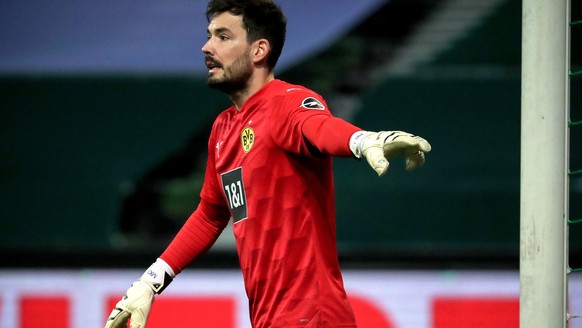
[105, 117]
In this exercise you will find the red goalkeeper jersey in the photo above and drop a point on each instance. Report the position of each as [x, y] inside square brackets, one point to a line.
[279, 189]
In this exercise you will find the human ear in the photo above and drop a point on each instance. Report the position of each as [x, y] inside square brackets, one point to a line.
[261, 50]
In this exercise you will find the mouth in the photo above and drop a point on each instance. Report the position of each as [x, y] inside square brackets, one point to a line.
[212, 66]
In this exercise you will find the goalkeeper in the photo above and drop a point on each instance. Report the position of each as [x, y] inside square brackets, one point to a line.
[269, 170]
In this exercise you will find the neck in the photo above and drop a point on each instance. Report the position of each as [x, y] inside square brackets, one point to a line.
[255, 84]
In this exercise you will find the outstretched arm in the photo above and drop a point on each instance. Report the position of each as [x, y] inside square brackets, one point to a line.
[329, 134]
[336, 137]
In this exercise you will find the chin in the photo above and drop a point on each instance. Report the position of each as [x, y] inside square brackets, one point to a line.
[214, 83]
[221, 85]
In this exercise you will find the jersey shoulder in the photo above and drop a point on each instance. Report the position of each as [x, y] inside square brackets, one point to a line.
[296, 96]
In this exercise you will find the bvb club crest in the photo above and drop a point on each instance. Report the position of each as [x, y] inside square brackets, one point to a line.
[247, 138]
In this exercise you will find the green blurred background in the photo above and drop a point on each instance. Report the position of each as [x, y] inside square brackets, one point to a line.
[96, 166]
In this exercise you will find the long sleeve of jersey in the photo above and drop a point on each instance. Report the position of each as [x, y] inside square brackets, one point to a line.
[329, 134]
[196, 236]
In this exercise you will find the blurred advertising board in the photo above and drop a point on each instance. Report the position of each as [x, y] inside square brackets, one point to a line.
[216, 298]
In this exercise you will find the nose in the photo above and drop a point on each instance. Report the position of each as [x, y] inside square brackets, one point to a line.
[206, 48]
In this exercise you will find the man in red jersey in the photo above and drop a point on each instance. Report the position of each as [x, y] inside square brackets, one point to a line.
[269, 170]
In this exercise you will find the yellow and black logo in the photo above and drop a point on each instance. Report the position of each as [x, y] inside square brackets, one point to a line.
[247, 138]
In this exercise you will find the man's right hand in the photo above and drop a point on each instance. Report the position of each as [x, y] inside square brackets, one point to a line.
[135, 305]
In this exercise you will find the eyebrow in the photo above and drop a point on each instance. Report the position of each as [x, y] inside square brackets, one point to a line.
[219, 30]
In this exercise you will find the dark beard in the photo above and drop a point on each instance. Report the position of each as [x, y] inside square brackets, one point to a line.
[235, 79]
[229, 86]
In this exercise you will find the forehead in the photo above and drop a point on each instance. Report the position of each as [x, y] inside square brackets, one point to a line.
[226, 22]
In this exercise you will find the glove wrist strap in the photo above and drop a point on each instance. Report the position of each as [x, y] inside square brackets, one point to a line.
[356, 143]
[157, 277]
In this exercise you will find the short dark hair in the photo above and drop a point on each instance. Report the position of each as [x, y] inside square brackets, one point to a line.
[263, 19]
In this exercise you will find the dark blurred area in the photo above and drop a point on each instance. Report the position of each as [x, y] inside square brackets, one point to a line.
[101, 170]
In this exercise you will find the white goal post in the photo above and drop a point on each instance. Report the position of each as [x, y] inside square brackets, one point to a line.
[544, 163]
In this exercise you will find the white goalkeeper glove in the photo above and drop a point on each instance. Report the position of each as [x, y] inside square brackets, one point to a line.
[379, 147]
[137, 301]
